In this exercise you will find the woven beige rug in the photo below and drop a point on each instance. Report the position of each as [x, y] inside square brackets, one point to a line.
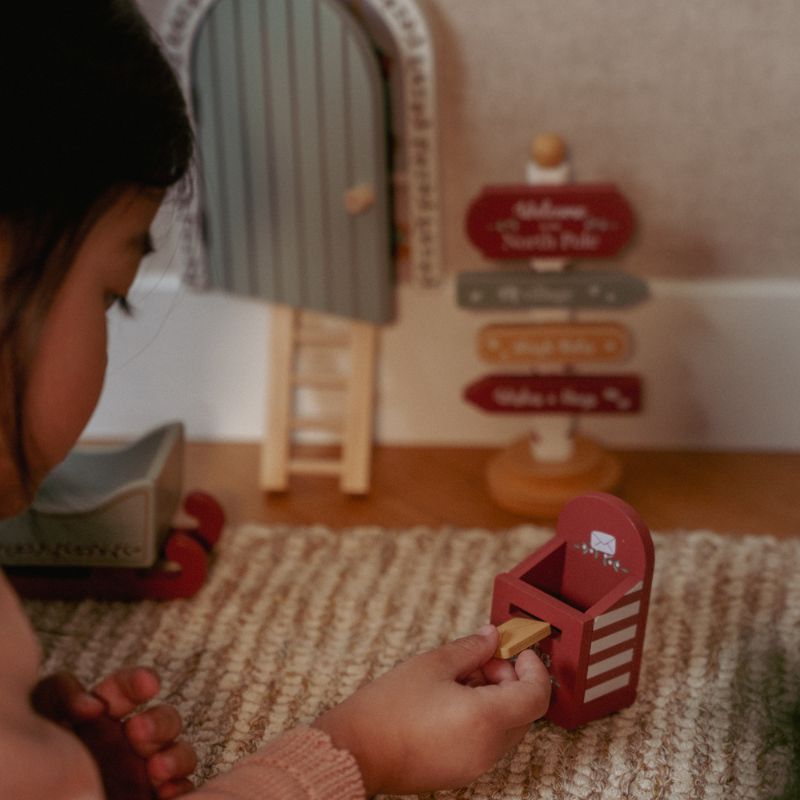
[293, 620]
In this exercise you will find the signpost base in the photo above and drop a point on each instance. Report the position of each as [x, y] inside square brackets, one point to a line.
[520, 484]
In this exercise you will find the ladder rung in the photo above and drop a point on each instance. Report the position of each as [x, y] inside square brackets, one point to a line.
[320, 381]
[321, 339]
[315, 466]
[335, 424]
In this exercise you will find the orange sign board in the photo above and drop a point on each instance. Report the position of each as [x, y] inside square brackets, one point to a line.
[556, 343]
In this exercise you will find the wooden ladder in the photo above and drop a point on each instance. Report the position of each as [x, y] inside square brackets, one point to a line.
[293, 331]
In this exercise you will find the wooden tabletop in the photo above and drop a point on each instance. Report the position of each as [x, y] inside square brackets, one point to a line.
[434, 486]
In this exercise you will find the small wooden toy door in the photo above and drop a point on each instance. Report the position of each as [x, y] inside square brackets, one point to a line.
[289, 98]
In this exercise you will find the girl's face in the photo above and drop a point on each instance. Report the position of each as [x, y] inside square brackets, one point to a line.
[70, 361]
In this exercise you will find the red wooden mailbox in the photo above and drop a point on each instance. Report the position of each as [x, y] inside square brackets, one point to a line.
[591, 582]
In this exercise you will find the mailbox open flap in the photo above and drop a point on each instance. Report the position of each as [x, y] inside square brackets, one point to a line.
[600, 550]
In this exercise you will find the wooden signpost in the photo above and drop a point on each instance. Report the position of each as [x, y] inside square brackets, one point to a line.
[518, 289]
[543, 226]
[569, 221]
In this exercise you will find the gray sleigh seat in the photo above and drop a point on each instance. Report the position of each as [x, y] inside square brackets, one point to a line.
[102, 507]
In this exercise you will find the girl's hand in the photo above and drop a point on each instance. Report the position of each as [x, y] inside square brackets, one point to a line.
[441, 719]
[137, 758]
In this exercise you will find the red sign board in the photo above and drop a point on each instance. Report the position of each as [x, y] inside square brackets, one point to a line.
[569, 221]
[557, 394]
[600, 564]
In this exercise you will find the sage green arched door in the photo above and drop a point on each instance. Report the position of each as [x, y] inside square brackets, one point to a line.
[291, 115]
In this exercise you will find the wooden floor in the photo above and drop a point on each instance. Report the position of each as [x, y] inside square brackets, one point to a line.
[728, 493]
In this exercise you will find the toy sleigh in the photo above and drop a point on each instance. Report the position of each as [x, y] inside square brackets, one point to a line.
[101, 526]
[591, 582]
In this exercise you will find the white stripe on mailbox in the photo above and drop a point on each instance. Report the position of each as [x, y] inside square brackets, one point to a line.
[610, 617]
[599, 667]
[636, 588]
[606, 688]
[598, 645]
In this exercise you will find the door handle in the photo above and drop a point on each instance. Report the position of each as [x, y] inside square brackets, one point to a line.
[359, 198]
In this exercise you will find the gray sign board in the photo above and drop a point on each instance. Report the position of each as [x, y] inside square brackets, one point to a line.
[518, 289]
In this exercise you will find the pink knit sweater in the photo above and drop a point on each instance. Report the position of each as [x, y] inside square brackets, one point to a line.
[302, 764]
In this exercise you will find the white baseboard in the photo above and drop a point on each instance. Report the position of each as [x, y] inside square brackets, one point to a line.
[719, 360]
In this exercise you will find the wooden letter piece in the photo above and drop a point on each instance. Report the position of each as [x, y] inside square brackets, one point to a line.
[519, 633]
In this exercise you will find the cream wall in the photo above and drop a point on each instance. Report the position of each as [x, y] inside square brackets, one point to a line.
[706, 350]
[692, 108]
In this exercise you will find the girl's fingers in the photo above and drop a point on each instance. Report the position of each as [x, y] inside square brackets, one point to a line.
[126, 689]
[174, 789]
[62, 698]
[529, 667]
[172, 764]
[476, 678]
[495, 670]
[498, 670]
[517, 703]
[461, 657]
[149, 731]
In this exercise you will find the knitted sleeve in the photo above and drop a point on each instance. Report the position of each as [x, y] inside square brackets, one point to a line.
[303, 764]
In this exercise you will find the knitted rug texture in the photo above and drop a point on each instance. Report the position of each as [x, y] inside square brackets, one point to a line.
[293, 620]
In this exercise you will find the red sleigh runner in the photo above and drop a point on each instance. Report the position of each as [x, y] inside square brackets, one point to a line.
[181, 571]
[591, 582]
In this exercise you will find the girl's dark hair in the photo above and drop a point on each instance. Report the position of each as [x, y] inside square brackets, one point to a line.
[88, 107]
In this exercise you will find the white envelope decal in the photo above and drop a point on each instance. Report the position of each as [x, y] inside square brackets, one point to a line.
[603, 543]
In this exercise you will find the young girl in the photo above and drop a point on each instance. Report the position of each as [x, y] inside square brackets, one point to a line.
[94, 131]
